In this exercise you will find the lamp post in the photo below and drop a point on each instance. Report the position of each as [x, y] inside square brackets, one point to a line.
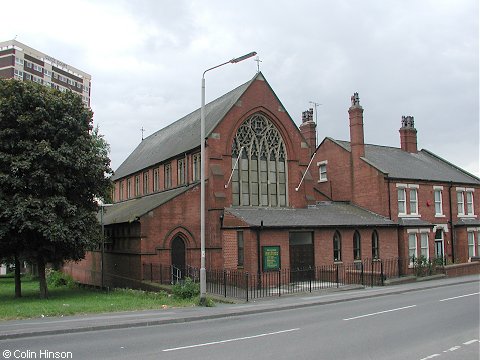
[102, 210]
[203, 279]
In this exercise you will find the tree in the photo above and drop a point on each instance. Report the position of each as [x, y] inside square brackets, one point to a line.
[53, 165]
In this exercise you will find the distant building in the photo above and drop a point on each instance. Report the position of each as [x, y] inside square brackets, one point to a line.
[21, 62]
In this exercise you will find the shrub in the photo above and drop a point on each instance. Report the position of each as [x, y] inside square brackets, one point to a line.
[56, 278]
[186, 290]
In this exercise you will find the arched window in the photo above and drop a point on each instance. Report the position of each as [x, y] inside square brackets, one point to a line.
[375, 245]
[357, 248]
[260, 176]
[337, 247]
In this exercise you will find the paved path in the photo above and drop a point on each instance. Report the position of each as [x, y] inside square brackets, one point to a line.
[81, 323]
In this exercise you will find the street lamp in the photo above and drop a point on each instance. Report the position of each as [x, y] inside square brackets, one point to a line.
[203, 279]
[102, 210]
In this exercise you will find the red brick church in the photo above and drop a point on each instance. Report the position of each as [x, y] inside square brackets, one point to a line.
[269, 187]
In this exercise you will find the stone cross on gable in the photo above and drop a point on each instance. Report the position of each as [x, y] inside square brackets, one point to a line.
[257, 59]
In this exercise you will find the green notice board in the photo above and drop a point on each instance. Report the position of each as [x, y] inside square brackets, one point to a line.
[271, 258]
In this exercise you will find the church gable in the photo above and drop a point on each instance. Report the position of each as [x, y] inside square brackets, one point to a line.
[258, 145]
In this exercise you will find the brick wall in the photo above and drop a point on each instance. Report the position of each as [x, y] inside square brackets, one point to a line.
[471, 268]
[338, 185]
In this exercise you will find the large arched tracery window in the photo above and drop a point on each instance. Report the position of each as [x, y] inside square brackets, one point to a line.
[260, 176]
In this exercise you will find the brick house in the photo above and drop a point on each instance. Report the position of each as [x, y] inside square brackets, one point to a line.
[261, 196]
[432, 201]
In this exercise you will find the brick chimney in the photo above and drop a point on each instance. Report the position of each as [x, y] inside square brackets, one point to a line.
[355, 113]
[308, 128]
[408, 135]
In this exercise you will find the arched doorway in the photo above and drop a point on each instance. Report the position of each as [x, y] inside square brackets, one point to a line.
[178, 254]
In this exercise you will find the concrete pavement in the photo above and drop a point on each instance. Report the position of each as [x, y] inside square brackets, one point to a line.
[82, 323]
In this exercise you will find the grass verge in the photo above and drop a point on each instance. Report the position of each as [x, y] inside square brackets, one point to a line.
[64, 301]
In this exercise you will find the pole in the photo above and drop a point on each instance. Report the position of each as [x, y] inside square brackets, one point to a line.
[103, 246]
[203, 279]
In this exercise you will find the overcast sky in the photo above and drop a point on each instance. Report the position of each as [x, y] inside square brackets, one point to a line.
[146, 58]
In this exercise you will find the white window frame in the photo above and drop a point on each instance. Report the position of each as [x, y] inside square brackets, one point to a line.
[402, 189]
[438, 203]
[322, 171]
[413, 203]
[461, 201]
[478, 242]
[471, 244]
[424, 245]
[412, 247]
[465, 202]
[410, 203]
[469, 202]
[421, 244]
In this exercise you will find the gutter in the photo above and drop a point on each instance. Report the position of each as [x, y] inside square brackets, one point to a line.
[451, 220]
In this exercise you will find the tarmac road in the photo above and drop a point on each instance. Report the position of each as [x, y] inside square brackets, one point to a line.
[436, 320]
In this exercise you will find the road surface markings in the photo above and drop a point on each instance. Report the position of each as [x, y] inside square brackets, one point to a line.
[230, 340]
[453, 348]
[380, 312]
[461, 296]
[430, 357]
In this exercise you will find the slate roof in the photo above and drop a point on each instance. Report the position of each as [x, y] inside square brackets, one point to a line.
[468, 222]
[324, 214]
[414, 222]
[424, 165]
[181, 136]
[131, 210]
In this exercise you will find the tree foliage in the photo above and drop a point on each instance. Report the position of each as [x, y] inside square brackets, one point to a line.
[53, 165]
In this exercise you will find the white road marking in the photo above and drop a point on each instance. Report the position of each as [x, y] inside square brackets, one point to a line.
[461, 296]
[452, 349]
[380, 312]
[430, 357]
[230, 340]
